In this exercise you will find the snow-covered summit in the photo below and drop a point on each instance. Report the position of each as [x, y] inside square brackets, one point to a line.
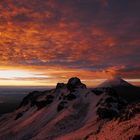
[114, 82]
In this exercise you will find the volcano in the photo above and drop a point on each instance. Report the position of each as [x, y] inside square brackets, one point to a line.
[115, 82]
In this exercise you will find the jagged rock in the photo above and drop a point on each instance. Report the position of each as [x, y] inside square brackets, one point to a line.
[82, 86]
[97, 92]
[105, 113]
[130, 111]
[30, 98]
[19, 115]
[74, 83]
[121, 103]
[70, 97]
[61, 105]
[41, 104]
[110, 106]
[49, 99]
[60, 85]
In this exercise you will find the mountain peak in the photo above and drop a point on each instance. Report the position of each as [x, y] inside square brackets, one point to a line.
[63, 112]
[75, 82]
[114, 82]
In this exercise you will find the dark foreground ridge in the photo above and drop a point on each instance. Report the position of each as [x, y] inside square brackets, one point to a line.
[72, 110]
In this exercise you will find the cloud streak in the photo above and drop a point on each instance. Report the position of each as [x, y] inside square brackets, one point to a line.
[89, 36]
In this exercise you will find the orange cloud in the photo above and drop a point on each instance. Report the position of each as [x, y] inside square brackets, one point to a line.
[70, 38]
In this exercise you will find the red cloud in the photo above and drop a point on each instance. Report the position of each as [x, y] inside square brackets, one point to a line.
[81, 36]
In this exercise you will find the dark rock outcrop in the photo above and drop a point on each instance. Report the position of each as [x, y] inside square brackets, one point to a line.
[41, 104]
[61, 105]
[110, 105]
[60, 85]
[70, 97]
[130, 111]
[97, 91]
[74, 83]
[105, 113]
[18, 116]
[30, 98]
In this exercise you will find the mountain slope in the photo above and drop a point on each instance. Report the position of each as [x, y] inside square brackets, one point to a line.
[122, 88]
[114, 82]
[72, 111]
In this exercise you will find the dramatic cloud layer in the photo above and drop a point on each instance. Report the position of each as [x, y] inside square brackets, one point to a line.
[62, 38]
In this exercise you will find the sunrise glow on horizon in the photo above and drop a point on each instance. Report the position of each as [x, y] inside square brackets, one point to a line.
[46, 42]
[28, 78]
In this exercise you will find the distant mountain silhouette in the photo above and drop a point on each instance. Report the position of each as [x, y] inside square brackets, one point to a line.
[115, 82]
[122, 88]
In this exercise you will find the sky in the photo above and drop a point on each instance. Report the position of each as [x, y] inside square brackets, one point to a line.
[43, 42]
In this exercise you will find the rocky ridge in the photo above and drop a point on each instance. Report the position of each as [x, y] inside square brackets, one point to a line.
[72, 111]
